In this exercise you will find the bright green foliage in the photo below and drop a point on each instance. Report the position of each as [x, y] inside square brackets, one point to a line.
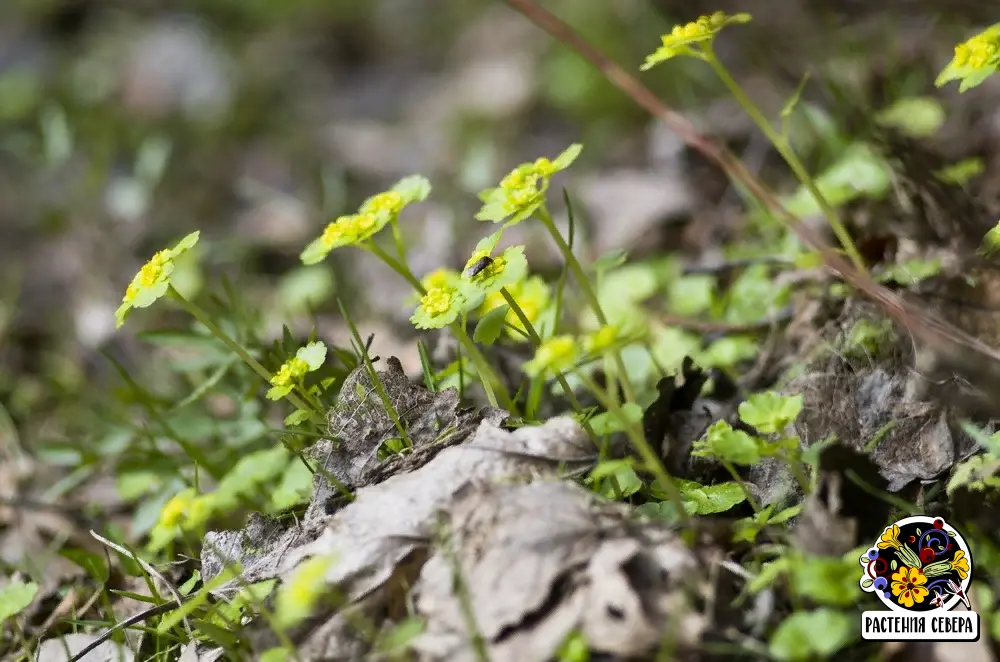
[858, 172]
[15, 597]
[723, 442]
[974, 60]
[153, 279]
[808, 635]
[919, 117]
[711, 499]
[911, 272]
[770, 412]
[977, 473]
[747, 529]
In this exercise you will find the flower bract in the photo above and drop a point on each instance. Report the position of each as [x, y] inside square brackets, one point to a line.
[153, 279]
[692, 38]
[522, 190]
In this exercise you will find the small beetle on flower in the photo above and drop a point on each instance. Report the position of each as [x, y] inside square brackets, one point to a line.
[153, 280]
[491, 274]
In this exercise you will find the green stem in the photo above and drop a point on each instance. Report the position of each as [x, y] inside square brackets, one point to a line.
[781, 144]
[240, 351]
[487, 376]
[651, 460]
[537, 340]
[588, 292]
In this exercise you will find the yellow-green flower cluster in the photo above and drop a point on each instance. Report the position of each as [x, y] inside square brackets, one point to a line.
[442, 304]
[186, 511]
[693, 38]
[491, 274]
[153, 279]
[290, 374]
[974, 60]
[373, 215]
[522, 190]
[557, 354]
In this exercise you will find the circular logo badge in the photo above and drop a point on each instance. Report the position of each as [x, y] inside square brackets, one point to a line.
[918, 564]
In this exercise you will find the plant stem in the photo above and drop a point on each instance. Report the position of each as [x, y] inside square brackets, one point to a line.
[202, 317]
[537, 340]
[487, 376]
[781, 144]
[650, 459]
[588, 291]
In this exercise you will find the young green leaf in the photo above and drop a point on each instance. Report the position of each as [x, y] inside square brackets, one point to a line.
[491, 325]
[807, 635]
[770, 412]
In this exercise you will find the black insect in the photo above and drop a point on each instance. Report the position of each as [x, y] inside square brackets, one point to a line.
[480, 265]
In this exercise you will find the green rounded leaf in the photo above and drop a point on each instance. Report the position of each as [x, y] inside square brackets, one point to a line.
[15, 597]
[809, 635]
[414, 188]
[490, 326]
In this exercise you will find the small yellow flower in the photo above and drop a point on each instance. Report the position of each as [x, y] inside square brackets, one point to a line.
[889, 538]
[908, 586]
[960, 564]
[440, 306]
[974, 61]
[439, 278]
[290, 374]
[389, 202]
[601, 339]
[153, 279]
[522, 191]
[437, 301]
[177, 508]
[375, 213]
[558, 354]
[693, 38]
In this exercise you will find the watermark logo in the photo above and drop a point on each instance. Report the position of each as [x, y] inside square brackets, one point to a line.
[920, 568]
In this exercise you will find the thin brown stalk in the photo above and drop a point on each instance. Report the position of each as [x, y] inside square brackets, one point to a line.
[921, 324]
